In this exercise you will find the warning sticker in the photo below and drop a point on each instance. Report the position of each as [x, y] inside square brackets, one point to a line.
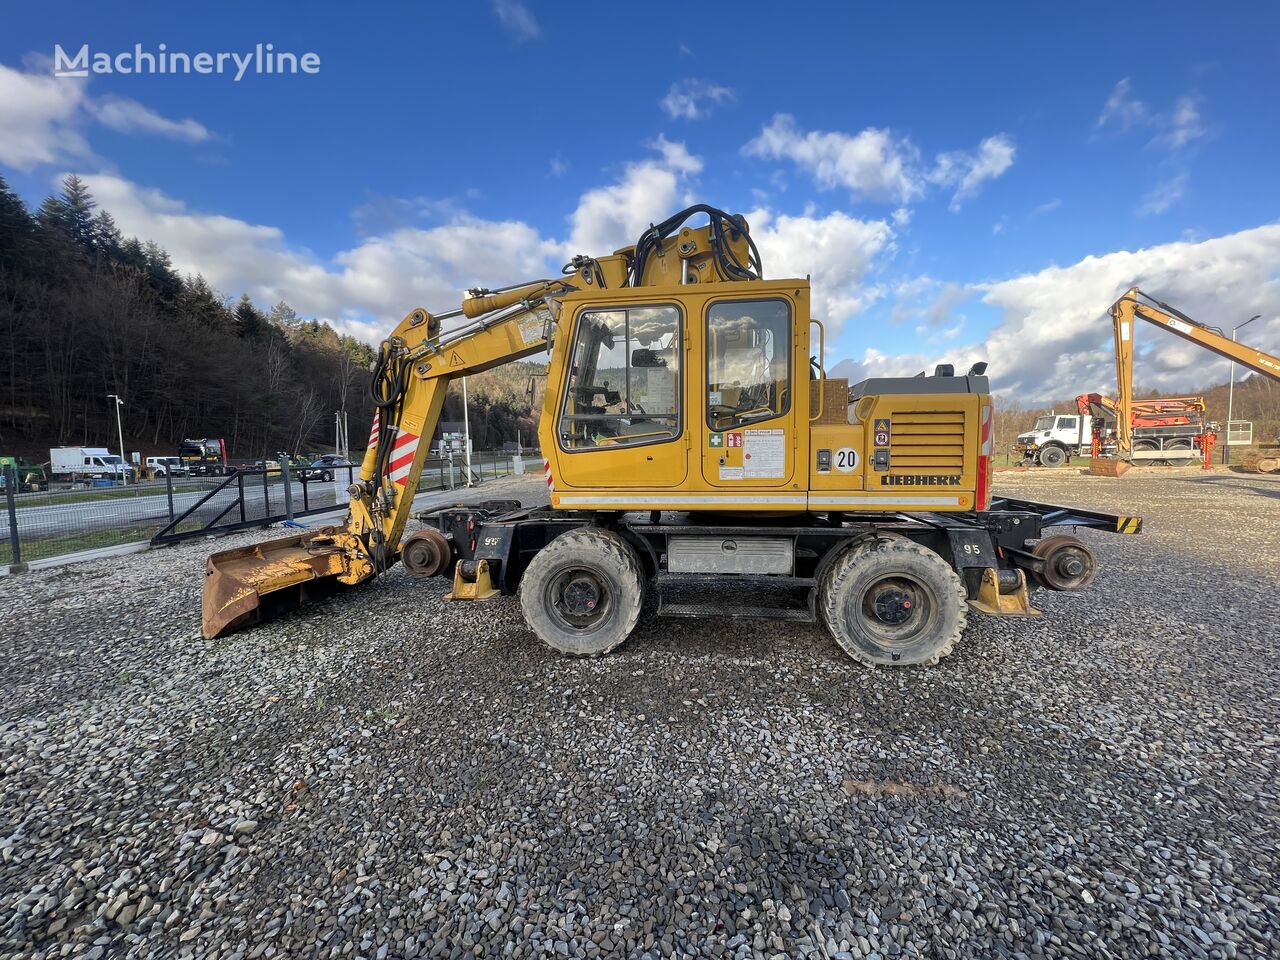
[764, 454]
[533, 327]
[731, 473]
[733, 439]
[881, 432]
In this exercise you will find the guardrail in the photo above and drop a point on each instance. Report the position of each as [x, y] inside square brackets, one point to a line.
[53, 523]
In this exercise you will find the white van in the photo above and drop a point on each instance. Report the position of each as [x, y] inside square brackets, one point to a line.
[166, 466]
[68, 462]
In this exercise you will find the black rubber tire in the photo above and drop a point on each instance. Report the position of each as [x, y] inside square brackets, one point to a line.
[1174, 446]
[598, 556]
[326, 477]
[938, 595]
[1052, 457]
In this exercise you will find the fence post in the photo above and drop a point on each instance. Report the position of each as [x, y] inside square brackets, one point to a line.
[15, 544]
[168, 483]
[266, 492]
[288, 488]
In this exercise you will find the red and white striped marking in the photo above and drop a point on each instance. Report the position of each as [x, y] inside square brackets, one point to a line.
[402, 452]
[986, 431]
[546, 470]
[373, 433]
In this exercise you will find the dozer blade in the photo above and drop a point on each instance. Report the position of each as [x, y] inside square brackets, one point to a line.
[249, 584]
[1108, 467]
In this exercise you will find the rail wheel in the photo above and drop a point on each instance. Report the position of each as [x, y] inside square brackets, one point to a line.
[1181, 453]
[892, 602]
[582, 592]
[1053, 457]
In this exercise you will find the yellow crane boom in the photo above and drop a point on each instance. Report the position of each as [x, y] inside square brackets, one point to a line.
[1135, 305]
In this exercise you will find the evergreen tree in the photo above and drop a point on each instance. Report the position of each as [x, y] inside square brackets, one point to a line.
[160, 272]
[17, 229]
[106, 236]
[283, 315]
[70, 214]
[250, 323]
[132, 254]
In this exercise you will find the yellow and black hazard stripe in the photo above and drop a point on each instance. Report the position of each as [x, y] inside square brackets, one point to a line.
[1128, 524]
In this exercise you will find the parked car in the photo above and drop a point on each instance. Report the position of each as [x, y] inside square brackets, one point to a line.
[327, 467]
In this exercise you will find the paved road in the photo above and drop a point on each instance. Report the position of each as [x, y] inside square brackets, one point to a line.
[151, 509]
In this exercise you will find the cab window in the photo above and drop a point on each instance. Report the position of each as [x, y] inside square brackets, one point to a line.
[748, 362]
[624, 379]
[1066, 423]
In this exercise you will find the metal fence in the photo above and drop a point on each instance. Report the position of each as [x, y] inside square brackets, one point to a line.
[57, 522]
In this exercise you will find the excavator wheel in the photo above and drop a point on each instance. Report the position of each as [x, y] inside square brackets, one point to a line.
[892, 602]
[582, 593]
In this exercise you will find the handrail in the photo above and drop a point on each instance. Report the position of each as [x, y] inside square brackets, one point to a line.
[822, 380]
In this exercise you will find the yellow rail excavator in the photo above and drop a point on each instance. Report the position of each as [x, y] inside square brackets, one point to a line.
[1128, 413]
[693, 447]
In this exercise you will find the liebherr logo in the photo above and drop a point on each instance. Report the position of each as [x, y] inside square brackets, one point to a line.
[919, 480]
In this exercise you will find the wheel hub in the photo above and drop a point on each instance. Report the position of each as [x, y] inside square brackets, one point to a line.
[893, 606]
[582, 595]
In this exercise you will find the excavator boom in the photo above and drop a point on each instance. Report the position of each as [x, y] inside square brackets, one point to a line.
[1135, 305]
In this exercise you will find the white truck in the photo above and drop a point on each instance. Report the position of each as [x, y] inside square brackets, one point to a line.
[72, 463]
[1055, 438]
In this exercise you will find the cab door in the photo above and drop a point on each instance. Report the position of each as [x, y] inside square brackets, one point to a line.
[620, 422]
[751, 362]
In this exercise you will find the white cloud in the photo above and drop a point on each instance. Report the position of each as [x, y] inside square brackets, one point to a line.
[837, 251]
[129, 116]
[1054, 337]
[43, 119]
[692, 98]
[1164, 195]
[517, 19]
[1047, 207]
[873, 164]
[367, 288]
[383, 277]
[1174, 129]
[1122, 109]
[968, 171]
[650, 190]
[1183, 125]
[931, 302]
[876, 164]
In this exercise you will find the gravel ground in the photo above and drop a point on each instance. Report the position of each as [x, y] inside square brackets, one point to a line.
[387, 775]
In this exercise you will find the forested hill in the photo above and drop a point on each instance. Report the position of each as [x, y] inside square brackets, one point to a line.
[86, 312]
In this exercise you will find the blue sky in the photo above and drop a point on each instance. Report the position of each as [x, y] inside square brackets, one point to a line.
[944, 171]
